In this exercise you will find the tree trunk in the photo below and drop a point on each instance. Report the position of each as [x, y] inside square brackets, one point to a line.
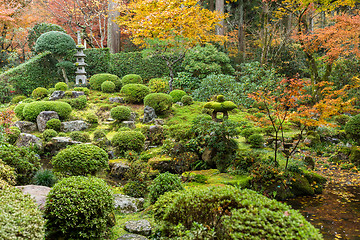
[65, 76]
[114, 33]
[211, 5]
[219, 6]
[241, 36]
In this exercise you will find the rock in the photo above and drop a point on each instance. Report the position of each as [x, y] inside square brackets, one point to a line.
[117, 100]
[38, 193]
[141, 227]
[57, 95]
[27, 140]
[149, 114]
[133, 116]
[158, 122]
[72, 126]
[44, 117]
[129, 124]
[309, 161]
[58, 143]
[127, 204]
[111, 155]
[76, 94]
[156, 134]
[25, 126]
[179, 104]
[208, 156]
[118, 168]
[132, 237]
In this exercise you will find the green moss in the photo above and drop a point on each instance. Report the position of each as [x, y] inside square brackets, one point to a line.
[301, 186]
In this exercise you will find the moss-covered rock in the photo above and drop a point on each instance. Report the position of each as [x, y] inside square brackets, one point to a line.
[355, 155]
[301, 186]
[220, 105]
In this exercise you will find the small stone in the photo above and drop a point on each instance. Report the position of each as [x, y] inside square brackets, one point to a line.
[149, 114]
[117, 100]
[179, 104]
[129, 124]
[127, 204]
[158, 122]
[76, 94]
[38, 193]
[72, 126]
[141, 227]
[132, 237]
[25, 126]
[57, 95]
[133, 116]
[27, 140]
[58, 143]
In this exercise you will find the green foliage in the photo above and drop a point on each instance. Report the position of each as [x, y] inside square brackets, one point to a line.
[98, 79]
[160, 102]
[187, 100]
[61, 86]
[77, 103]
[48, 134]
[58, 43]
[355, 155]
[128, 140]
[163, 183]
[135, 93]
[97, 60]
[158, 85]
[202, 61]
[108, 87]
[131, 79]
[341, 119]
[22, 160]
[7, 175]
[120, 113]
[39, 93]
[80, 159]
[352, 127]
[177, 95]
[186, 82]
[256, 140]
[82, 89]
[180, 132]
[13, 135]
[17, 99]
[32, 110]
[220, 106]
[45, 177]
[39, 29]
[19, 111]
[54, 124]
[247, 132]
[135, 188]
[80, 136]
[79, 208]
[99, 134]
[20, 217]
[51, 90]
[92, 118]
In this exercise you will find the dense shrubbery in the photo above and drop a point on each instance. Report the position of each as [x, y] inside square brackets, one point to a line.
[128, 140]
[120, 113]
[98, 79]
[341, 119]
[160, 102]
[39, 29]
[352, 128]
[187, 100]
[80, 159]
[80, 136]
[97, 60]
[108, 87]
[163, 183]
[13, 135]
[82, 89]
[256, 140]
[99, 134]
[177, 95]
[45, 177]
[32, 110]
[7, 175]
[48, 134]
[79, 208]
[135, 93]
[158, 85]
[77, 103]
[92, 118]
[54, 124]
[17, 99]
[58, 43]
[20, 217]
[39, 93]
[61, 86]
[131, 79]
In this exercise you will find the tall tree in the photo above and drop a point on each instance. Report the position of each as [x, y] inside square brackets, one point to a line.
[114, 32]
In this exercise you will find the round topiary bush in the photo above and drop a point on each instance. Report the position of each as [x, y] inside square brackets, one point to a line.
[58, 43]
[108, 87]
[163, 183]
[80, 159]
[80, 136]
[82, 89]
[120, 113]
[256, 140]
[61, 86]
[48, 134]
[128, 140]
[32, 110]
[17, 99]
[99, 134]
[13, 135]
[97, 79]
[187, 100]
[158, 85]
[24, 161]
[39, 93]
[54, 124]
[135, 93]
[19, 111]
[20, 216]
[352, 127]
[249, 215]
[177, 95]
[131, 79]
[160, 102]
[79, 208]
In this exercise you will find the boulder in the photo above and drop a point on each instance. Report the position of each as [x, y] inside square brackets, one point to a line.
[38, 193]
[133, 116]
[132, 237]
[141, 227]
[44, 117]
[25, 126]
[57, 95]
[117, 100]
[158, 122]
[156, 134]
[72, 126]
[127, 204]
[58, 143]
[118, 168]
[76, 94]
[27, 140]
[179, 104]
[149, 114]
[129, 124]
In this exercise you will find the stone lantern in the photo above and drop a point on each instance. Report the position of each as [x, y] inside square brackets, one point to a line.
[80, 63]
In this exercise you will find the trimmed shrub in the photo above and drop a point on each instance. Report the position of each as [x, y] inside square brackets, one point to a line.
[99, 134]
[7, 175]
[177, 95]
[352, 128]
[120, 113]
[39, 93]
[256, 141]
[32, 110]
[82, 89]
[48, 134]
[341, 119]
[45, 177]
[160, 102]
[252, 212]
[19, 111]
[135, 188]
[97, 60]
[39, 29]
[187, 100]
[80, 159]
[17, 99]
[13, 135]
[164, 182]
[58, 43]
[108, 87]
[135, 93]
[92, 118]
[77, 103]
[128, 140]
[51, 90]
[80, 136]
[131, 79]
[79, 208]
[158, 85]
[20, 217]
[61, 86]
[98, 79]
[22, 160]
[54, 124]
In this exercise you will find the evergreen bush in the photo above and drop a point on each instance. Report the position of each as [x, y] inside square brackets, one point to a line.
[61, 86]
[158, 85]
[77, 103]
[108, 87]
[98, 79]
[39, 93]
[17, 99]
[45, 177]
[120, 113]
[163, 183]
[352, 127]
[256, 140]
[131, 79]
[92, 118]
[128, 140]
[19, 111]
[13, 135]
[58, 43]
[135, 93]
[32, 110]
[7, 175]
[54, 124]
[177, 95]
[99, 134]
[187, 100]
[48, 134]
[160, 102]
[80, 136]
